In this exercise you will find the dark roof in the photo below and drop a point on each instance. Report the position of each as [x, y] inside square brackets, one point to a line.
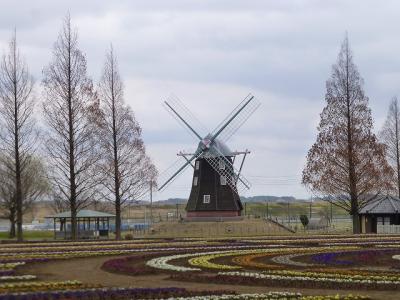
[382, 205]
[84, 213]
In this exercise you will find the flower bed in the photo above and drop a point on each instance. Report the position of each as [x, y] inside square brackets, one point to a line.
[114, 293]
[42, 286]
[260, 279]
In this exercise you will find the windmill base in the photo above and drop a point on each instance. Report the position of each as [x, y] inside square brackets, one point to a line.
[213, 216]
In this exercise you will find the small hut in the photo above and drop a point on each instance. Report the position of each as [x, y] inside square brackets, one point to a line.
[90, 224]
[381, 216]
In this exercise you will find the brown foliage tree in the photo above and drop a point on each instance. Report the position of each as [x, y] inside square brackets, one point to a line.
[18, 133]
[70, 145]
[390, 136]
[124, 165]
[346, 162]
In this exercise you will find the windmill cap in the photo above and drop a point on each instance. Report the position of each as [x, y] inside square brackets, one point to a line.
[219, 145]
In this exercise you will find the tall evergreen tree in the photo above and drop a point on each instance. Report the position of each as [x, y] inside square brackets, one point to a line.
[347, 163]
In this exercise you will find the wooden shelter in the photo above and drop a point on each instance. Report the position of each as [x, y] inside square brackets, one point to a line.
[90, 224]
[381, 215]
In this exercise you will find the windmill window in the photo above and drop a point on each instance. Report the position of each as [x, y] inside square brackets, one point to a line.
[221, 165]
[197, 165]
[223, 180]
[195, 180]
[206, 199]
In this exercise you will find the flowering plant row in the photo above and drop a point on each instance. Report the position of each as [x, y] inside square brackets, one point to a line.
[11, 257]
[41, 286]
[272, 296]
[114, 293]
[393, 279]
[11, 265]
[66, 248]
[205, 260]
[17, 278]
[277, 277]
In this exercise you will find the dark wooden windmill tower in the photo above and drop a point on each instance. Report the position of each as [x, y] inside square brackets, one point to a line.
[216, 182]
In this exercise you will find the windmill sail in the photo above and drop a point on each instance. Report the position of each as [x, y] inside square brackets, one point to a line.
[224, 167]
[182, 114]
[250, 104]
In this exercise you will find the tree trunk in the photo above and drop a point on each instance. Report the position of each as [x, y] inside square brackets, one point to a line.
[356, 223]
[116, 160]
[11, 234]
[71, 146]
[74, 234]
[350, 155]
[18, 188]
[397, 148]
[117, 220]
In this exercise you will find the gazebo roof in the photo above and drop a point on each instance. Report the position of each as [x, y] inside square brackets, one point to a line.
[382, 205]
[84, 213]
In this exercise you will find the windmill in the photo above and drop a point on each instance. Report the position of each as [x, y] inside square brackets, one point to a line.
[216, 181]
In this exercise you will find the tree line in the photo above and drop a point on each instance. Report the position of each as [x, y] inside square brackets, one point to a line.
[348, 164]
[89, 147]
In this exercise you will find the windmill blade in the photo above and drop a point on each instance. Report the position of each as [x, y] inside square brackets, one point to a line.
[183, 115]
[236, 118]
[225, 168]
[168, 176]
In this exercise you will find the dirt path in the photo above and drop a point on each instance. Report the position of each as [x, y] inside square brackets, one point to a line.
[88, 270]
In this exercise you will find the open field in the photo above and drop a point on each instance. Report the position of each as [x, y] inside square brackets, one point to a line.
[365, 265]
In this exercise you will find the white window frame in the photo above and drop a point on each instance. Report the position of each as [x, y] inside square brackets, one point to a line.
[221, 165]
[223, 180]
[197, 165]
[206, 199]
[195, 180]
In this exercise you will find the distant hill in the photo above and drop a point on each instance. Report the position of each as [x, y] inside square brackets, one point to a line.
[253, 199]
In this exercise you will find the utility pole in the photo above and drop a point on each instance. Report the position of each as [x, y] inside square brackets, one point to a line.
[151, 202]
[267, 210]
[288, 211]
[311, 200]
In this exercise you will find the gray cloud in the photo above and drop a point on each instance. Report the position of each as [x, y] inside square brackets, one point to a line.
[211, 54]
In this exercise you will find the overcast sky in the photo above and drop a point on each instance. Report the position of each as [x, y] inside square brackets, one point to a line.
[211, 54]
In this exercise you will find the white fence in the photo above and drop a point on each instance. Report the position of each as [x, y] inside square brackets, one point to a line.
[388, 228]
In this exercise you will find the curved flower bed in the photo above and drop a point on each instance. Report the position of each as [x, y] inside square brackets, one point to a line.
[284, 262]
[42, 286]
[115, 293]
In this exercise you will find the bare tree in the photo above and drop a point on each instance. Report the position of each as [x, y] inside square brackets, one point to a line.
[68, 93]
[346, 162]
[18, 133]
[390, 136]
[126, 168]
[34, 185]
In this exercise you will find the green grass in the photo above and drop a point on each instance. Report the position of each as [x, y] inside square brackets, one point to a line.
[31, 235]
[295, 209]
